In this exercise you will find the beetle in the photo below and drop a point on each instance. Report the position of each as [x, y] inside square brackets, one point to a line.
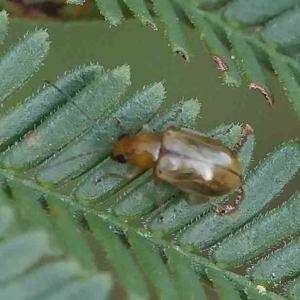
[189, 160]
[198, 165]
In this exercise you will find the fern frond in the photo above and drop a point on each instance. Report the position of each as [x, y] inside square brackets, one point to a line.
[153, 239]
[30, 54]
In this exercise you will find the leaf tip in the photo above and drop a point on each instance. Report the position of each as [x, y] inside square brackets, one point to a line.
[182, 52]
[124, 72]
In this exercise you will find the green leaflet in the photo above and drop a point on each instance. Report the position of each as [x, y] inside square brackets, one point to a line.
[281, 265]
[142, 196]
[294, 66]
[150, 261]
[21, 252]
[165, 10]
[255, 12]
[42, 282]
[24, 60]
[139, 8]
[283, 31]
[124, 265]
[101, 182]
[186, 281]
[217, 50]
[184, 112]
[293, 290]
[3, 25]
[252, 290]
[19, 120]
[175, 214]
[247, 60]
[259, 293]
[73, 241]
[111, 10]
[6, 219]
[97, 287]
[67, 123]
[263, 234]
[36, 217]
[94, 145]
[268, 181]
[246, 155]
[31, 218]
[288, 80]
[223, 285]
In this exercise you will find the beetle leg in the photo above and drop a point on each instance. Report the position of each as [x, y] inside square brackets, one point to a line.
[146, 128]
[193, 199]
[133, 173]
[220, 209]
[171, 125]
[228, 130]
[119, 123]
[104, 176]
[121, 127]
[190, 131]
[129, 175]
[226, 209]
[245, 132]
[223, 209]
[174, 124]
[125, 130]
[156, 179]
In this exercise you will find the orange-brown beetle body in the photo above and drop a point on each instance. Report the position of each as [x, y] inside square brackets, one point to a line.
[189, 160]
[195, 163]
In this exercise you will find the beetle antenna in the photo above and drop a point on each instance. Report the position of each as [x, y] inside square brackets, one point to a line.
[74, 157]
[84, 113]
[70, 99]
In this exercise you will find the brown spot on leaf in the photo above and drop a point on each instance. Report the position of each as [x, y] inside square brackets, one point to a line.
[266, 93]
[247, 129]
[54, 212]
[221, 65]
[30, 138]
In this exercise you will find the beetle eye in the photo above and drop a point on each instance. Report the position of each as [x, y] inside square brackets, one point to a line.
[122, 136]
[120, 158]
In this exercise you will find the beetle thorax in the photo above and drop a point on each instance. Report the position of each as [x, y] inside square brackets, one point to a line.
[146, 150]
